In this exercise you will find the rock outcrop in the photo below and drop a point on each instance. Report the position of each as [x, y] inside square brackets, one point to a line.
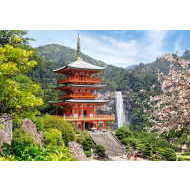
[30, 128]
[5, 129]
[77, 151]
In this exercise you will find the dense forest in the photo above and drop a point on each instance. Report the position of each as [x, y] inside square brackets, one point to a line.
[27, 84]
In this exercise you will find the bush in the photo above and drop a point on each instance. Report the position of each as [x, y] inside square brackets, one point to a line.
[167, 154]
[186, 154]
[53, 137]
[130, 141]
[123, 132]
[81, 136]
[23, 152]
[66, 128]
[39, 122]
[20, 137]
[87, 144]
[100, 151]
[88, 153]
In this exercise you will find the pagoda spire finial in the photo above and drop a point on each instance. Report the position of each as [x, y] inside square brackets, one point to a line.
[78, 47]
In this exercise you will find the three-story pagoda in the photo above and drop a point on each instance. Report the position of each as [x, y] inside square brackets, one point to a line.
[79, 99]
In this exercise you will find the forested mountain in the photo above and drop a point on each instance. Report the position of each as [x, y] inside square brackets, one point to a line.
[56, 56]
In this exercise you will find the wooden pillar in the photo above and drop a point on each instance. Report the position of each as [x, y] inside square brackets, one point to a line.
[97, 125]
[83, 125]
[105, 127]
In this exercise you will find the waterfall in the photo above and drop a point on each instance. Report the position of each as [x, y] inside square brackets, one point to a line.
[121, 120]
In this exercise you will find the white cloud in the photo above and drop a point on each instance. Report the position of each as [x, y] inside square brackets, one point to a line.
[113, 50]
[125, 53]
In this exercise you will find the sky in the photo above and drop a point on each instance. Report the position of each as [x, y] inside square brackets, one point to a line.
[118, 47]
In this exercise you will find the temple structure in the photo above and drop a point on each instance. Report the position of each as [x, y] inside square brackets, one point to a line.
[79, 98]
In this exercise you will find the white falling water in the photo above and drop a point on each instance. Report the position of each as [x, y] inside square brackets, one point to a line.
[120, 109]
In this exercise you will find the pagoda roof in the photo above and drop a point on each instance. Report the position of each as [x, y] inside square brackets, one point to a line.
[81, 101]
[83, 85]
[80, 64]
[86, 101]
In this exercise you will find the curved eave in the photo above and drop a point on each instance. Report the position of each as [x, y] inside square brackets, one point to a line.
[66, 68]
[78, 101]
[79, 86]
[84, 85]
[86, 101]
[79, 64]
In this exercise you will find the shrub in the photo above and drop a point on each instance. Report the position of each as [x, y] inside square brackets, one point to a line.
[53, 137]
[100, 151]
[87, 144]
[81, 136]
[20, 137]
[123, 132]
[180, 159]
[167, 154]
[39, 122]
[88, 153]
[130, 141]
[66, 128]
[186, 154]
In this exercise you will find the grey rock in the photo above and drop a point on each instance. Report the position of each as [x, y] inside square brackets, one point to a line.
[77, 151]
[30, 128]
[5, 129]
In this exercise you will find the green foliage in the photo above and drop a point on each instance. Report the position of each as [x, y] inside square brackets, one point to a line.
[167, 154]
[20, 137]
[24, 148]
[123, 132]
[88, 153]
[23, 152]
[18, 94]
[67, 130]
[53, 137]
[8, 158]
[100, 151]
[13, 37]
[186, 153]
[87, 144]
[149, 145]
[81, 136]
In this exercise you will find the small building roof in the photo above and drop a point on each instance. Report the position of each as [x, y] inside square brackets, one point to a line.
[80, 64]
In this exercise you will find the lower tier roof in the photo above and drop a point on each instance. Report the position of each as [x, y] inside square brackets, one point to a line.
[86, 101]
[80, 101]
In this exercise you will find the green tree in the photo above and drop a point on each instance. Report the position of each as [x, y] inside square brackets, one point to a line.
[18, 93]
[14, 37]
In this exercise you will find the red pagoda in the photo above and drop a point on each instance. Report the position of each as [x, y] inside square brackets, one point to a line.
[79, 99]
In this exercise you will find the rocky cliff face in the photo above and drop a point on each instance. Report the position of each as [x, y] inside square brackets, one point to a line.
[77, 151]
[30, 128]
[5, 129]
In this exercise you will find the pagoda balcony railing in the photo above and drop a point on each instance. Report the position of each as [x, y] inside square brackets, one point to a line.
[88, 118]
[79, 96]
[79, 80]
